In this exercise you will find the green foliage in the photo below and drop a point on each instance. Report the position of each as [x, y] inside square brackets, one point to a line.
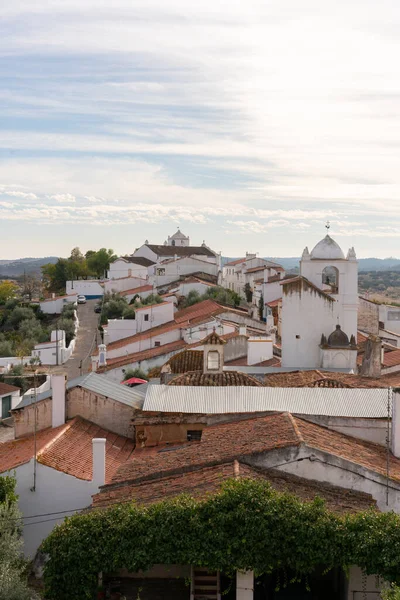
[219, 294]
[8, 289]
[20, 314]
[68, 325]
[246, 526]
[261, 307]
[6, 348]
[68, 310]
[391, 593]
[129, 312]
[151, 299]
[248, 292]
[13, 584]
[138, 372]
[14, 377]
[77, 266]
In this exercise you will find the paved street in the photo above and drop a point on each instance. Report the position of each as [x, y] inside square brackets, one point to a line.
[87, 340]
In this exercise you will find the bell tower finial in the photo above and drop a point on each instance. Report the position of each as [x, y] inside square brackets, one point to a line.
[327, 226]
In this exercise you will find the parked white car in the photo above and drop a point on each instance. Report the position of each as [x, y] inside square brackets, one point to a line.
[81, 299]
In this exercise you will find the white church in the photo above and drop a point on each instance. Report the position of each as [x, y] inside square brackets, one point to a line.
[319, 310]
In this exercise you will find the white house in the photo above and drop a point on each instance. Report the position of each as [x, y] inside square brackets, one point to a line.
[54, 352]
[247, 270]
[146, 317]
[129, 266]
[170, 269]
[55, 305]
[321, 301]
[9, 398]
[72, 460]
[91, 288]
[123, 284]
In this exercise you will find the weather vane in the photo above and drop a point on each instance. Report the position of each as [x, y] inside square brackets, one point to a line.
[327, 226]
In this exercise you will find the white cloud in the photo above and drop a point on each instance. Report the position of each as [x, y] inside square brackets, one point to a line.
[68, 198]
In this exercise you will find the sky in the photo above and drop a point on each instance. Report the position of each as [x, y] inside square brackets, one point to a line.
[246, 124]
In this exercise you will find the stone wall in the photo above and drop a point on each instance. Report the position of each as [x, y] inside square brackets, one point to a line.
[368, 316]
[107, 413]
[24, 420]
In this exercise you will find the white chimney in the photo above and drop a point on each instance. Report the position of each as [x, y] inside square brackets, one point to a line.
[259, 350]
[58, 402]
[396, 424]
[242, 330]
[99, 461]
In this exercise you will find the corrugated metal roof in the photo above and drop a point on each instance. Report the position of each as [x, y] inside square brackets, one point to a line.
[339, 402]
[98, 384]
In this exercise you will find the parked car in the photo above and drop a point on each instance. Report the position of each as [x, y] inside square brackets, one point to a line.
[97, 308]
[81, 300]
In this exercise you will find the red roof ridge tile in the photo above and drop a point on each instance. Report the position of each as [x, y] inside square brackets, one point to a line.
[295, 427]
[54, 439]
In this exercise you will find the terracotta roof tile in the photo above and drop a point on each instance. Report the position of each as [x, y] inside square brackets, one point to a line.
[120, 361]
[138, 290]
[235, 262]
[201, 482]
[293, 378]
[151, 306]
[201, 309]
[242, 362]
[188, 360]
[367, 454]
[68, 448]
[219, 443]
[255, 269]
[5, 388]
[226, 378]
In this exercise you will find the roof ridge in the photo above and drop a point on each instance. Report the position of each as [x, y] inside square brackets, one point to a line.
[54, 439]
[295, 428]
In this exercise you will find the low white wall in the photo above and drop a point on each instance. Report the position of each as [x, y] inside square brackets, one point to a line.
[55, 306]
[118, 329]
[89, 288]
[123, 284]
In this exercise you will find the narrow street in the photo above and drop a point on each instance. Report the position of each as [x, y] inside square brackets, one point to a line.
[87, 339]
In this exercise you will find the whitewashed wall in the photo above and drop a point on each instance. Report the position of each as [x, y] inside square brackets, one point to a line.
[122, 268]
[54, 306]
[390, 316]
[146, 344]
[89, 288]
[55, 491]
[123, 284]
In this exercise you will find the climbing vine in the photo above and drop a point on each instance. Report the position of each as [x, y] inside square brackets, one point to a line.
[247, 525]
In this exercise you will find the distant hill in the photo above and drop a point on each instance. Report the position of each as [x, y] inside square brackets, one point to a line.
[16, 268]
[364, 264]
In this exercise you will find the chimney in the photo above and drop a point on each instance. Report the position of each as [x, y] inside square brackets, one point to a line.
[58, 402]
[371, 364]
[53, 295]
[395, 437]
[102, 355]
[99, 461]
[259, 350]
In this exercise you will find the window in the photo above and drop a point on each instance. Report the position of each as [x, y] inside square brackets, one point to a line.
[160, 271]
[330, 276]
[146, 317]
[157, 344]
[173, 243]
[297, 337]
[193, 435]
[213, 360]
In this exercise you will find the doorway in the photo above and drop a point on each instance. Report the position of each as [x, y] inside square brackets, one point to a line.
[319, 586]
[5, 407]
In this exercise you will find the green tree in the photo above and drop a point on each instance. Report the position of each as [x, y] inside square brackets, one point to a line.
[261, 307]
[20, 314]
[8, 289]
[99, 262]
[391, 593]
[67, 325]
[248, 293]
[138, 372]
[6, 348]
[13, 567]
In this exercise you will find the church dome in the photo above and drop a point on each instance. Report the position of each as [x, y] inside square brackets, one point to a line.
[327, 249]
[338, 338]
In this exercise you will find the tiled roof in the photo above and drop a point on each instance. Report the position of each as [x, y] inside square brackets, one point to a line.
[274, 278]
[201, 309]
[226, 378]
[138, 290]
[273, 303]
[255, 269]
[214, 339]
[187, 360]
[235, 262]
[242, 362]
[162, 250]
[201, 482]
[151, 306]
[120, 361]
[293, 378]
[391, 359]
[138, 260]
[225, 337]
[5, 388]
[150, 333]
[68, 448]
[219, 443]
[367, 454]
